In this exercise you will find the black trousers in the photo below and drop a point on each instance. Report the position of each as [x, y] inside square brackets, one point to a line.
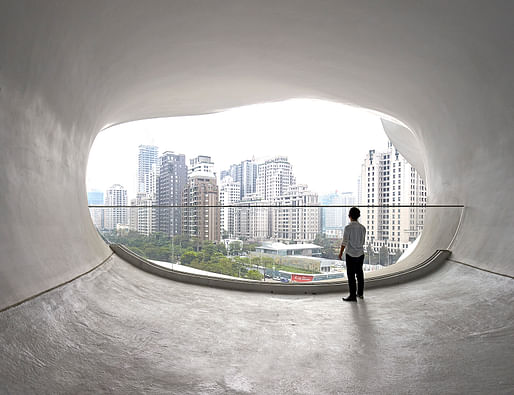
[354, 268]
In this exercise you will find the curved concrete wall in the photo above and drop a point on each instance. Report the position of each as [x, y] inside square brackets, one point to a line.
[68, 69]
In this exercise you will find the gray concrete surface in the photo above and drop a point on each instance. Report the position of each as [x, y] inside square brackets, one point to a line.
[121, 330]
[71, 68]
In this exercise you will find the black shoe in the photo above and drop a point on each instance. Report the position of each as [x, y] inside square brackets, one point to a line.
[360, 296]
[350, 299]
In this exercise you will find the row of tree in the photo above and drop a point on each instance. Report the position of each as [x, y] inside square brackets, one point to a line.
[190, 251]
[205, 255]
[331, 247]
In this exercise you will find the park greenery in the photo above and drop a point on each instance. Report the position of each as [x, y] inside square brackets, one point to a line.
[239, 260]
[190, 251]
[331, 247]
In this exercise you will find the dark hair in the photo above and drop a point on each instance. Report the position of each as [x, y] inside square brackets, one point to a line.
[354, 213]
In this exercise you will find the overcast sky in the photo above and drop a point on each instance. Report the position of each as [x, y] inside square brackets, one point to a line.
[325, 142]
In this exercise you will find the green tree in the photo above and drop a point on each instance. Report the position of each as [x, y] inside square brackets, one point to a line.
[370, 255]
[247, 247]
[235, 248]
[396, 256]
[188, 257]
[384, 255]
[329, 247]
[254, 275]
[255, 260]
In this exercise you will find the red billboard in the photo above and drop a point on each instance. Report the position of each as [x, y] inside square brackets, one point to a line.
[301, 278]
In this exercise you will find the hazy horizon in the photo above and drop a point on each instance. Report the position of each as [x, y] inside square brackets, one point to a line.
[325, 142]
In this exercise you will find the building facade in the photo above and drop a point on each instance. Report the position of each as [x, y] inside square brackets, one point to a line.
[116, 195]
[334, 219]
[252, 221]
[230, 191]
[245, 173]
[171, 181]
[142, 218]
[296, 224]
[273, 177]
[146, 161]
[201, 190]
[388, 179]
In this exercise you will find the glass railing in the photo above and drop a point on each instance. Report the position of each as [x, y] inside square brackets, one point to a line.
[282, 244]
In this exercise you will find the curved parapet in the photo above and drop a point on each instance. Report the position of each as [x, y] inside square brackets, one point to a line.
[373, 280]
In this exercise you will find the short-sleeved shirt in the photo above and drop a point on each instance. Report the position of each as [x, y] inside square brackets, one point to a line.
[353, 239]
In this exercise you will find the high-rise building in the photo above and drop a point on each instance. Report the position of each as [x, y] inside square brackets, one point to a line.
[273, 177]
[388, 179]
[151, 181]
[260, 216]
[147, 159]
[201, 165]
[229, 194]
[97, 214]
[245, 173]
[296, 224]
[251, 220]
[142, 218]
[334, 219]
[247, 177]
[201, 191]
[116, 195]
[171, 181]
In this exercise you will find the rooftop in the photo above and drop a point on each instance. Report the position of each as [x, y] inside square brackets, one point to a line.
[281, 246]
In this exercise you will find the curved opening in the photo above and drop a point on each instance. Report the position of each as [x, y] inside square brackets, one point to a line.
[259, 193]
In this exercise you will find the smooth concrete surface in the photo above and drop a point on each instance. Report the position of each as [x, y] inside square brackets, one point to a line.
[69, 69]
[375, 279]
[121, 330]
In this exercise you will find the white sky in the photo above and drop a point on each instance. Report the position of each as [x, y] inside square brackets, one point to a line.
[325, 142]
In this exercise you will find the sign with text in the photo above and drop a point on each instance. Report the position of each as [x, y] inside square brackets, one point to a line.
[301, 278]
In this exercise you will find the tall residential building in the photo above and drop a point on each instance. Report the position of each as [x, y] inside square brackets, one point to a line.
[171, 181]
[388, 179]
[251, 221]
[275, 186]
[143, 218]
[116, 195]
[97, 214]
[147, 159]
[245, 173]
[247, 177]
[201, 165]
[151, 181]
[334, 219]
[201, 190]
[229, 195]
[273, 177]
[296, 224]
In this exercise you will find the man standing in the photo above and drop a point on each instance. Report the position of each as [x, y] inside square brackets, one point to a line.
[353, 240]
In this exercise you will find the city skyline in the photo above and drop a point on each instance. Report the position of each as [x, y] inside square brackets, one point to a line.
[330, 129]
[270, 207]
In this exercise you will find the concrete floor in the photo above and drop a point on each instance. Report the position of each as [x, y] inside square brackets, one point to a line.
[122, 330]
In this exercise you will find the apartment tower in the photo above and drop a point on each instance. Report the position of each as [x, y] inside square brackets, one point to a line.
[387, 179]
[171, 181]
[198, 219]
